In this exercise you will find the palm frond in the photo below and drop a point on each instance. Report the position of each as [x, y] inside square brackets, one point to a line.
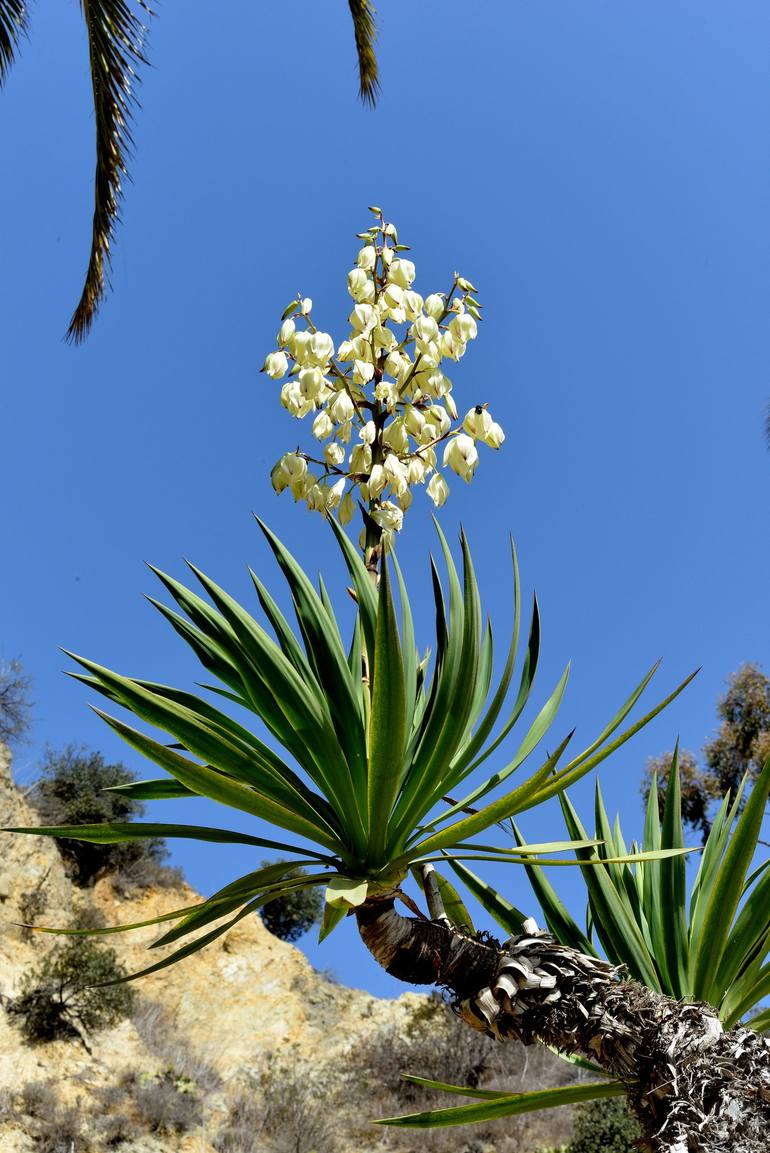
[13, 25]
[115, 47]
[365, 31]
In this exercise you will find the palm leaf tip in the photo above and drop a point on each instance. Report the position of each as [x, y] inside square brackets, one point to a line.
[365, 32]
[116, 38]
[13, 25]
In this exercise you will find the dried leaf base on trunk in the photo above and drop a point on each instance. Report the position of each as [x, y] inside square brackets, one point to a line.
[694, 1087]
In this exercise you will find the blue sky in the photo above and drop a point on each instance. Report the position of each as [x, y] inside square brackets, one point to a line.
[601, 172]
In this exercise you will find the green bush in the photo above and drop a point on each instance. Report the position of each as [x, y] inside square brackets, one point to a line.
[60, 998]
[291, 916]
[71, 791]
[605, 1126]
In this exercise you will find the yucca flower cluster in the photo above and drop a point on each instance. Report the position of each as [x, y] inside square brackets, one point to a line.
[381, 403]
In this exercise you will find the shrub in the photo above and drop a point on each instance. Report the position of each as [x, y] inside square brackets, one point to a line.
[55, 1128]
[165, 1103]
[59, 998]
[31, 905]
[172, 1048]
[605, 1126]
[291, 916]
[71, 791]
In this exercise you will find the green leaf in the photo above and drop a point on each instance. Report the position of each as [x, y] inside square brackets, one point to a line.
[672, 895]
[557, 919]
[511, 1106]
[726, 891]
[502, 911]
[290, 309]
[333, 914]
[387, 726]
[346, 892]
[115, 832]
[162, 789]
[458, 1090]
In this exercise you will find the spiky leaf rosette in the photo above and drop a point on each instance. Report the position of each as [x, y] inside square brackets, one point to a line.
[370, 743]
[712, 946]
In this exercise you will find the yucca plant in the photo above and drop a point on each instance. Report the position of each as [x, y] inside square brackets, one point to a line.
[362, 745]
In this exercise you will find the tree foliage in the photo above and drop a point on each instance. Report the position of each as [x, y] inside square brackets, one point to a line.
[76, 786]
[604, 1126]
[64, 997]
[291, 916]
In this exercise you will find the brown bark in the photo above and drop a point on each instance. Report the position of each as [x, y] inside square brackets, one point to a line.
[694, 1087]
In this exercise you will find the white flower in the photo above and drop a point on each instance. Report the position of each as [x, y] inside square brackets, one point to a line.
[439, 418]
[320, 347]
[414, 421]
[341, 408]
[395, 436]
[388, 516]
[377, 481]
[451, 407]
[280, 476]
[434, 305]
[366, 257]
[461, 456]
[310, 382]
[438, 489]
[368, 432]
[334, 453]
[347, 509]
[477, 422]
[387, 393]
[315, 497]
[463, 327]
[361, 318]
[387, 255]
[345, 351]
[360, 458]
[344, 431]
[424, 330]
[395, 473]
[415, 471]
[495, 436]
[393, 296]
[394, 362]
[323, 425]
[286, 331]
[334, 494]
[306, 306]
[404, 499]
[412, 305]
[293, 400]
[401, 272]
[275, 365]
[299, 343]
[358, 284]
[363, 371]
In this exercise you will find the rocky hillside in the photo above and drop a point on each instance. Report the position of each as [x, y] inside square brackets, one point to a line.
[290, 1061]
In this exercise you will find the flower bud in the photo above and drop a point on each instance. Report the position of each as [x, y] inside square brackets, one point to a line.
[434, 305]
[334, 493]
[306, 306]
[461, 456]
[280, 477]
[438, 489]
[495, 436]
[275, 365]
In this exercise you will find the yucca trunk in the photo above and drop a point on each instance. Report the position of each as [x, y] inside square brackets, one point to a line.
[693, 1087]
